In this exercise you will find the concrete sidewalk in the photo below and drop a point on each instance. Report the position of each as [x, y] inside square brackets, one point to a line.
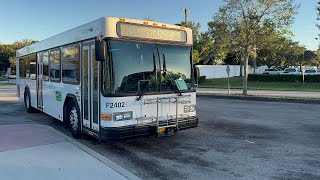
[37, 152]
[8, 92]
[264, 93]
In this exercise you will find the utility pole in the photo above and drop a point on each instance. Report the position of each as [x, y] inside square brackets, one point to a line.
[186, 13]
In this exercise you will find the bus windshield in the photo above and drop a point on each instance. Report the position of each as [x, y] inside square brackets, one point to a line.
[146, 68]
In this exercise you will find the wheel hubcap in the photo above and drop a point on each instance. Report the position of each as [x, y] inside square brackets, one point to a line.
[74, 118]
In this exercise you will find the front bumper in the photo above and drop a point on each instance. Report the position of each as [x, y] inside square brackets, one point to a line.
[109, 133]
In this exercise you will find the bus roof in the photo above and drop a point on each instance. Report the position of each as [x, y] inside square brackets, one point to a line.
[105, 27]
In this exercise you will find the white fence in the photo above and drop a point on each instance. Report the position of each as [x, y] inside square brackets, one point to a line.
[219, 71]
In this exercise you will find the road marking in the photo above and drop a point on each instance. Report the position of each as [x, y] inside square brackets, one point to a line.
[251, 142]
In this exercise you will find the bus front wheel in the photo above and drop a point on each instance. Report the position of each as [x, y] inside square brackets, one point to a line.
[73, 115]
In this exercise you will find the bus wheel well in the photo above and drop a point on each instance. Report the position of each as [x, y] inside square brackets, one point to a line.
[27, 101]
[69, 98]
[26, 89]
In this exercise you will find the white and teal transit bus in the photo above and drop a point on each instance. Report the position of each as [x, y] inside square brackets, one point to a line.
[112, 78]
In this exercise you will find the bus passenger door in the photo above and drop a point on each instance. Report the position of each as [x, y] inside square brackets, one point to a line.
[90, 88]
[39, 80]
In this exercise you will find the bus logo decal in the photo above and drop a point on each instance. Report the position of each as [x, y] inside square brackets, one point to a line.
[58, 96]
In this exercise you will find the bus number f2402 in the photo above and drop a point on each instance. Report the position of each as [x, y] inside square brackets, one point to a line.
[115, 105]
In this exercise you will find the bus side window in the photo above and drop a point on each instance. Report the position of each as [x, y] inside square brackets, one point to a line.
[55, 65]
[33, 66]
[45, 62]
[70, 64]
[27, 67]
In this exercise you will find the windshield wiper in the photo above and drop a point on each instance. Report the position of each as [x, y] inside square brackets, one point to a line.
[169, 75]
[141, 94]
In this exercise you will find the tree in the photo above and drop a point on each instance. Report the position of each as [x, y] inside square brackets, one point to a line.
[247, 15]
[294, 54]
[203, 48]
[8, 53]
[25, 42]
[272, 45]
[201, 42]
[316, 60]
[222, 39]
[12, 61]
[307, 57]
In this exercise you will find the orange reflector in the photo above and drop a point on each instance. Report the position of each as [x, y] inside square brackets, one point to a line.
[145, 23]
[163, 25]
[106, 117]
[155, 24]
[122, 19]
[162, 130]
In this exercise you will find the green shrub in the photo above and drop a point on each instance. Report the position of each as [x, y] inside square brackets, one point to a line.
[202, 79]
[283, 78]
[311, 78]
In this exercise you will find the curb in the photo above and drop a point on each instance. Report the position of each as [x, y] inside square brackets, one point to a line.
[261, 98]
[96, 155]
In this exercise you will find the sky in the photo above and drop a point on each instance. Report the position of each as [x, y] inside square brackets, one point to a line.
[40, 19]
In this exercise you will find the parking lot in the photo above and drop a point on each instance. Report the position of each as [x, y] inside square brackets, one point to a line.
[236, 139]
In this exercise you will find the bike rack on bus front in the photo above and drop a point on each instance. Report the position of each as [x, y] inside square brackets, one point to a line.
[169, 122]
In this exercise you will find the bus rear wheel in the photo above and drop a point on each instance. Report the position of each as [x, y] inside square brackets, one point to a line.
[27, 102]
[73, 115]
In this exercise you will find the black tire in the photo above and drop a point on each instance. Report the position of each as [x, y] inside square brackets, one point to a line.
[73, 119]
[27, 102]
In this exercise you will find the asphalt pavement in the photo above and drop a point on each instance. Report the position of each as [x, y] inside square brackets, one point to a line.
[235, 139]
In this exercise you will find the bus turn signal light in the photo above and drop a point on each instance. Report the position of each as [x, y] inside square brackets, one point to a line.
[106, 117]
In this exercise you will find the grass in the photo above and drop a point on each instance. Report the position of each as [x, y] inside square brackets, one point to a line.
[236, 82]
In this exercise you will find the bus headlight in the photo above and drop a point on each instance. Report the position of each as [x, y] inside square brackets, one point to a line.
[186, 108]
[189, 108]
[119, 116]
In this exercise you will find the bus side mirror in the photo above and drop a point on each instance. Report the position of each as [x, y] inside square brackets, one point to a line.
[196, 73]
[100, 49]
